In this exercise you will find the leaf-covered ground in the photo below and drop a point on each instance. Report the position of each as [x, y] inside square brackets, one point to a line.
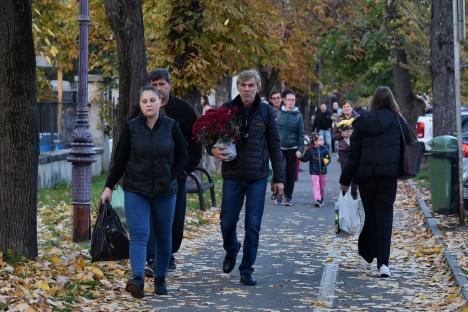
[297, 244]
[454, 236]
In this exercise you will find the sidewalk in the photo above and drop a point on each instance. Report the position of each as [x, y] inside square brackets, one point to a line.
[301, 264]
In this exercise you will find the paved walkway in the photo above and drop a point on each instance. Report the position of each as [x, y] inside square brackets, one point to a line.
[301, 264]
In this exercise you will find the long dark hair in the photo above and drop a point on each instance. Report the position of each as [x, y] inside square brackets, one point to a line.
[383, 98]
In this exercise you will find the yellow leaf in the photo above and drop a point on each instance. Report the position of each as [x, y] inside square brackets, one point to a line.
[119, 272]
[97, 273]
[55, 260]
[81, 263]
[43, 286]
[226, 22]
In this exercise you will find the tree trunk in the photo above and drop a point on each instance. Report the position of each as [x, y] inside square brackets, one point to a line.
[410, 106]
[126, 20]
[269, 78]
[19, 146]
[185, 26]
[223, 91]
[442, 68]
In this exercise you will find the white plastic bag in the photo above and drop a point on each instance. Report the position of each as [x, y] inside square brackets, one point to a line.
[229, 149]
[349, 219]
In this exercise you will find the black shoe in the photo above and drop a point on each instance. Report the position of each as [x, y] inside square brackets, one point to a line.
[135, 287]
[230, 261]
[248, 280]
[160, 286]
[172, 265]
[149, 269]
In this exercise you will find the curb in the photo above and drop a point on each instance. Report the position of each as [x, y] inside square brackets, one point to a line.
[431, 223]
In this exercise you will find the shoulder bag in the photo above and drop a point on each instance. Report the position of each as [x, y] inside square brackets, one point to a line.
[411, 154]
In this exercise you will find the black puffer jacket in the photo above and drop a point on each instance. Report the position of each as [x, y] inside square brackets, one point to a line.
[261, 144]
[149, 159]
[375, 148]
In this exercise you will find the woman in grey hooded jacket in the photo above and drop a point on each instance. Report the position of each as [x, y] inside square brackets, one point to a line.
[291, 129]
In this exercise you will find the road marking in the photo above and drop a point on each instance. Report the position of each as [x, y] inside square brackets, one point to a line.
[328, 283]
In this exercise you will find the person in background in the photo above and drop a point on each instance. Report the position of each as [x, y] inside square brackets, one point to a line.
[374, 162]
[275, 100]
[336, 112]
[291, 129]
[323, 124]
[185, 117]
[151, 153]
[318, 157]
[205, 104]
[342, 137]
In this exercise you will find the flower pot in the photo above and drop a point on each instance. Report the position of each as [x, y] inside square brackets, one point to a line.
[228, 148]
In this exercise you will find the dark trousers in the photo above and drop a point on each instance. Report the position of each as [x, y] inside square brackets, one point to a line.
[343, 159]
[234, 192]
[378, 196]
[291, 171]
[178, 221]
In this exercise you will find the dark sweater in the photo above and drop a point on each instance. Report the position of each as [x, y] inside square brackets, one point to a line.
[375, 148]
[322, 121]
[185, 117]
[149, 159]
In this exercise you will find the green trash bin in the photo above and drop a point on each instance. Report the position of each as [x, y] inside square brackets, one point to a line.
[442, 175]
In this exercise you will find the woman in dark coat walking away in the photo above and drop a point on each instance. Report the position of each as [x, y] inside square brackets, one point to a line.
[374, 163]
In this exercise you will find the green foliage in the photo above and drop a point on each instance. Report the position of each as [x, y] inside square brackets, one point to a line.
[13, 258]
[356, 53]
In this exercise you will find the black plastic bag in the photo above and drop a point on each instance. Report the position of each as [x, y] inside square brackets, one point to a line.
[109, 241]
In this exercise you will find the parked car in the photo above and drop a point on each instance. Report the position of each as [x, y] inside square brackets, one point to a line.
[424, 128]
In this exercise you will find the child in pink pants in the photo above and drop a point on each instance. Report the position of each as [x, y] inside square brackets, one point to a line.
[318, 157]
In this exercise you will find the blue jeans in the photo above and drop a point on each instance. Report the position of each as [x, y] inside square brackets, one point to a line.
[234, 192]
[140, 211]
[327, 138]
[177, 223]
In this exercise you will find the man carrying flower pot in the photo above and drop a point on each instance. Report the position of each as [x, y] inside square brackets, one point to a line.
[246, 176]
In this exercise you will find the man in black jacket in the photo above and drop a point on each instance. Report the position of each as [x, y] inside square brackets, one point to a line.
[323, 124]
[185, 117]
[245, 177]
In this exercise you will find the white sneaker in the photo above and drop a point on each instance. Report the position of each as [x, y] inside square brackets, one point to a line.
[384, 271]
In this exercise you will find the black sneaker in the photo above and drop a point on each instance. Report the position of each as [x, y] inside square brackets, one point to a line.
[135, 287]
[230, 261]
[247, 279]
[317, 204]
[172, 265]
[160, 286]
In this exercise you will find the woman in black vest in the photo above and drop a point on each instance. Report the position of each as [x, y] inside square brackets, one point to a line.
[374, 163]
[150, 155]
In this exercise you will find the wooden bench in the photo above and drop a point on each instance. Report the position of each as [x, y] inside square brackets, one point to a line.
[199, 187]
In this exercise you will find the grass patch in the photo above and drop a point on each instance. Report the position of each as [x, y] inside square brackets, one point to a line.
[423, 178]
[192, 198]
[13, 258]
[61, 192]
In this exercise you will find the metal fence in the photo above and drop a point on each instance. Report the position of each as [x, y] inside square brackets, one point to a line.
[53, 136]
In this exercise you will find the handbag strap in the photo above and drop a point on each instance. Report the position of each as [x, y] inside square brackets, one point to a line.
[401, 129]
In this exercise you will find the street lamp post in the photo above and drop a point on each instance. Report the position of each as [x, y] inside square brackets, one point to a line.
[82, 153]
